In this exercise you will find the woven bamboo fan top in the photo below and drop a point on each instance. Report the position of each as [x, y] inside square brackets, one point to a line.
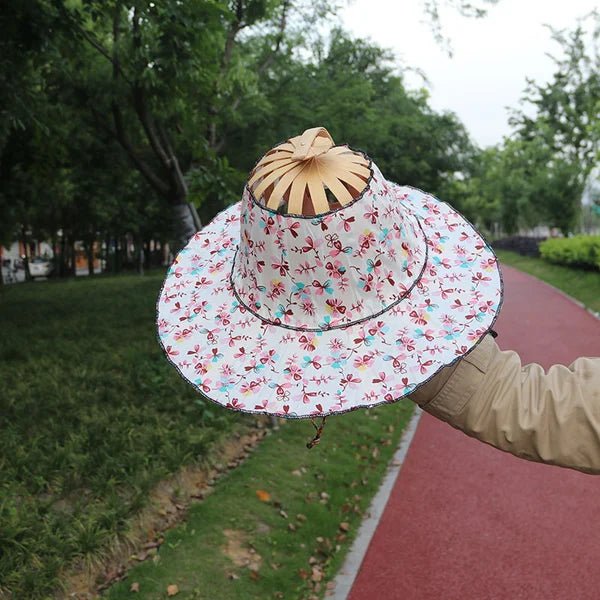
[309, 175]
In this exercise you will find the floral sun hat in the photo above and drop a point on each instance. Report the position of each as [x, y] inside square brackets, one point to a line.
[326, 289]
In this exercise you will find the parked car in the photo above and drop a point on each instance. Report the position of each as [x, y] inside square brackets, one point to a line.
[40, 267]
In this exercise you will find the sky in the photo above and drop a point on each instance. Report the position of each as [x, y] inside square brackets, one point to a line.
[492, 56]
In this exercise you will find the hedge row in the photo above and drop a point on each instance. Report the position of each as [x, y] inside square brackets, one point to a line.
[579, 251]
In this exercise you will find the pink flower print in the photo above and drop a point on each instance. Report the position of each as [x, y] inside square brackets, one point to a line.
[378, 327]
[457, 304]
[443, 262]
[336, 344]
[182, 334]
[366, 240]
[292, 228]
[277, 289]
[418, 317]
[370, 396]
[263, 404]
[294, 371]
[373, 266]
[381, 377]
[366, 282]
[176, 308]
[346, 223]
[203, 281]
[282, 266]
[428, 305]
[486, 306]
[372, 214]
[424, 367]
[309, 245]
[204, 384]
[308, 342]
[307, 396]
[201, 308]
[304, 267]
[226, 371]
[163, 326]
[268, 225]
[389, 277]
[223, 318]
[363, 362]
[444, 293]
[448, 319]
[487, 264]
[240, 353]
[349, 380]
[428, 334]
[464, 236]
[178, 272]
[335, 269]
[171, 351]
[260, 265]
[313, 361]
[250, 387]
[407, 343]
[479, 278]
[281, 390]
[336, 246]
[254, 365]
[201, 366]
[357, 306]
[307, 307]
[397, 362]
[211, 334]
[269, 357]
[235, 403]
[167, 297]
[321, 288]
[336, 307]
[433, 207]
[459, 251]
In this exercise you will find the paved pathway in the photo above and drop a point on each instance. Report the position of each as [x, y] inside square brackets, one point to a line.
[465, 521]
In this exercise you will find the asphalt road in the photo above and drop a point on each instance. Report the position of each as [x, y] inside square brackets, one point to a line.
[465, 521]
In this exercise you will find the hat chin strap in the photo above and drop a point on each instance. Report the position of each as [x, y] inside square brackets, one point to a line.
[302, 170]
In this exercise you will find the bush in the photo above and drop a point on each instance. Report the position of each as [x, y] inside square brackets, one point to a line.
[579, 251]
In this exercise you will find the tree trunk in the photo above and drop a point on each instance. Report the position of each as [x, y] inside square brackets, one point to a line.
[89, 251]
[25, 254]
[141, 255]
[73, 260]
[185, 224]
[62, 269]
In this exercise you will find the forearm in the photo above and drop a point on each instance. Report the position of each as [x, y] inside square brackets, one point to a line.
[551, 417]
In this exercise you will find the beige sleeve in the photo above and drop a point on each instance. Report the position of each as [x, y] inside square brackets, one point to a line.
[551, 417]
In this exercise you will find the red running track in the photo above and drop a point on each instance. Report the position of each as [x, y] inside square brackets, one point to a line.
[465, 521]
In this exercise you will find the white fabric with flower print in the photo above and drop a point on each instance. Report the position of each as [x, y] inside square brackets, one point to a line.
[247, 363]
[330, 270]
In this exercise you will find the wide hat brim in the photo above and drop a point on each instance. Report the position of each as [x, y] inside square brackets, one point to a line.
[241, 362]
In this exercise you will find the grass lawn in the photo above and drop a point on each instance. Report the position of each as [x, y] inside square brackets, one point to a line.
[278, 527]
[91, 417]
[578, 283]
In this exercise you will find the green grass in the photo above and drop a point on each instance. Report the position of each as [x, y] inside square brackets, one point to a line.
[91, 417]
[347, 466]
[580, 284]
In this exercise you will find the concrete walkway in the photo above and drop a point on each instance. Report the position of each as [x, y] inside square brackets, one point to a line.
[465, 521]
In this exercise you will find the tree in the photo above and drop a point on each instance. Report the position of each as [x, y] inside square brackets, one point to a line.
[562, 136]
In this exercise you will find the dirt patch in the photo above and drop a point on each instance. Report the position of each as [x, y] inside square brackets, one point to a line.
[239, 552]
[168, 506]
